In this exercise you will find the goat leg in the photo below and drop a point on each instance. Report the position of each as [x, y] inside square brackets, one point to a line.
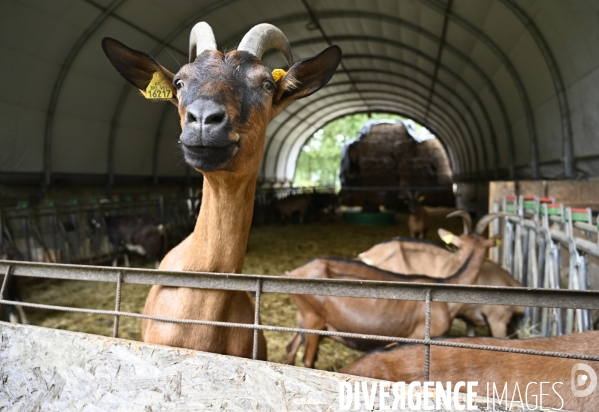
[314, 322]
[293, 347]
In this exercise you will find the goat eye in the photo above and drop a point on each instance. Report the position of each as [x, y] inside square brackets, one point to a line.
[178, 83]
[268, 86]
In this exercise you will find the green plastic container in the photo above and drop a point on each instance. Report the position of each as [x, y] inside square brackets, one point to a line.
[380, 219]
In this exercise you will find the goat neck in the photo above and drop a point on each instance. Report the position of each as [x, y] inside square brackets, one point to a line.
[471, 255]
[221, 232]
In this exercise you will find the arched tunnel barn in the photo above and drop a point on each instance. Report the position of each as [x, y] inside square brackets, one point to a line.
[91, 172]
[509, 87]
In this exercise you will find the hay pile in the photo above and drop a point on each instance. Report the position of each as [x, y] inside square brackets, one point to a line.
[272, 250]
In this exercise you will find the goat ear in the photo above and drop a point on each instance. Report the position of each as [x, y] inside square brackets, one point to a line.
[136, 67]
[449, 237]
[308, 76]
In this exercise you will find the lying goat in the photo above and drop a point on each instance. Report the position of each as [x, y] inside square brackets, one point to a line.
[142, 235]
[381, 316]
[405, 363]
[419, 220]
[404, 255]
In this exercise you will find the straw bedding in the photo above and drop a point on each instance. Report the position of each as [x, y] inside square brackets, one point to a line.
[272, 250]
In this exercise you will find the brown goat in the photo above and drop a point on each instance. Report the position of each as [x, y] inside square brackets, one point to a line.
[404, 255]
[380, 316]
[225, 101]
[405, 363]
[291, 204]
[419, 220]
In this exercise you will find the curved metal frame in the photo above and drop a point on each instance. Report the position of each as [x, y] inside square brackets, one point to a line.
[358, 108]
[435, 123]
[66, 66]
[435, 5]
[484, 78]
[530, 119]
[459, 98]
[450, 125]
[459, 144]
[309, 129]
[473, 166]
[406, 111]
[399, 22]
[560, 88]
[482, 107]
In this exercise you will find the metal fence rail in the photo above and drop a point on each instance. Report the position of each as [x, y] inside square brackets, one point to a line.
[542, 239]
[428, 292]
[64, 233]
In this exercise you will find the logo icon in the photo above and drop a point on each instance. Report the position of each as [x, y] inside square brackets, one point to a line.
[588, 376]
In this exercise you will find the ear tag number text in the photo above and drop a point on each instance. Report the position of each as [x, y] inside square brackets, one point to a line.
[158, 88]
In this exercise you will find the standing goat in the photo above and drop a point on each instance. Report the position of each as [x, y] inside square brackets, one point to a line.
[419, 220]
[225, 101]
[287, 206]
[405, 363]
[382, 316]
[404, 255]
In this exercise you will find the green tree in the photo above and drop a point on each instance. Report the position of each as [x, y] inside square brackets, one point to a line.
[320, 158]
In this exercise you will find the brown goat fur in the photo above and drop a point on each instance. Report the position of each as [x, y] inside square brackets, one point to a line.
[404, 255]
[405, 363]
[225, 101]
[379, 316]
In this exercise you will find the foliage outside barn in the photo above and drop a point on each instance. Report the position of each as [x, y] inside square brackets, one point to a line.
[320, 159]
[388, 158]
[377, 151]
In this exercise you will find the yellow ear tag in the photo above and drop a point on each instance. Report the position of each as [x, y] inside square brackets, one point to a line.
[447, 238]
[277, 74]
[497, 242]
[158, 88]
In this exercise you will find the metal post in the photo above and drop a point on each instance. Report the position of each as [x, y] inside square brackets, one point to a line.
[536, 313]
[54, 238]
[27, 238]
[256, 318]
[427, 336]
[557, 311]
[5, 282]
[117, 305]
[1, 228]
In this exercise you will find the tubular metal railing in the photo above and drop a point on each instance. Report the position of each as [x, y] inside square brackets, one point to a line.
[548, 245]
[427, 292]
[64, 233]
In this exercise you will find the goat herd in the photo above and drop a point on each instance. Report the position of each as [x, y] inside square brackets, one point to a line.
[225, 101]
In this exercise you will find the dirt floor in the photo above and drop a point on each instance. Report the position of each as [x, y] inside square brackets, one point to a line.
[272, 250]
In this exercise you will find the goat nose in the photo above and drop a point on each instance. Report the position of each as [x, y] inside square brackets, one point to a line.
[205, 114]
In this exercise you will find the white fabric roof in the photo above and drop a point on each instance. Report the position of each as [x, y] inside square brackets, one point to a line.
[511, 88]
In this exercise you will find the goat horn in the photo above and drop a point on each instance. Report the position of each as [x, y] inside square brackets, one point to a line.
[467, 220]
[486, 219]
[200, 39]
[263, 37]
